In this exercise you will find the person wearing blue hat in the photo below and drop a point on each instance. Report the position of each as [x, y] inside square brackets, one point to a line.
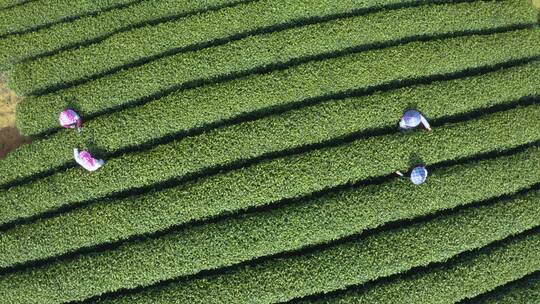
[412, 119]
[418, 175]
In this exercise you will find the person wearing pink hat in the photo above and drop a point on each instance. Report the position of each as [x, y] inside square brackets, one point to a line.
[69, 119]
[85, 159]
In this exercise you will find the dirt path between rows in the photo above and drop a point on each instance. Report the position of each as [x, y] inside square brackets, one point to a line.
[10, 138]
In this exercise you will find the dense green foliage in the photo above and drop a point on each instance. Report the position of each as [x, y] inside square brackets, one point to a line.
[6, 4]
[181, 117]
[464, 277]
[38, 114]
[335, 118]
[9, 3]
[292, 225]
[525, 290]
[41, 13]
[150, 41]
[363, 259]
[353, 262]
[283, 177]
[251, 151]
[82, 31]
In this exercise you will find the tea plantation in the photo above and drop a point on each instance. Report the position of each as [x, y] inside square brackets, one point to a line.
[251, 146]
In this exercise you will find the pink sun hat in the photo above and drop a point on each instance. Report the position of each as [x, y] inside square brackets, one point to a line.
[85, 159]
[70, 119]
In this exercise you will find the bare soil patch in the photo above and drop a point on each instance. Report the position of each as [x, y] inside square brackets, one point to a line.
[10, 137]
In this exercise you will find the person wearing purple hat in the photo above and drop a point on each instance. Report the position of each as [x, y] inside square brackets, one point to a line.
[418, 175]
[86, 160]
[69, 119]
[412, 119]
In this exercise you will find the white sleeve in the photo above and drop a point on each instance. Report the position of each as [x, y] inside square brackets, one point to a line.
[425, 122]
[78, 159]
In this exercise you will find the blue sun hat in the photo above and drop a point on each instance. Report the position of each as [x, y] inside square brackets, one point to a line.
[412, 119]
[419, 175]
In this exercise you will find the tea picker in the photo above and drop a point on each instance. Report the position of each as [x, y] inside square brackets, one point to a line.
[69, 119]
[412, 119]
[418, 175]
[87, 161]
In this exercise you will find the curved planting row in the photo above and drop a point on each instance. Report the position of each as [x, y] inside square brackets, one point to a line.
[339, 118]
[255, 169]
[256, 53]
[325, 268]
[37, 14]
[7, 4]
[148, 42]
[462, 278]
[292, 225]
[142, 45]
[209, 106]
[283, 178]
[524, 290]
[356, 72]
[92, 29]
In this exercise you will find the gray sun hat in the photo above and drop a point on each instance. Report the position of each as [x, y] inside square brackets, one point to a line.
[412, 119]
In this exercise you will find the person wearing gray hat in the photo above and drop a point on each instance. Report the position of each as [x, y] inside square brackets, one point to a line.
[412, 119]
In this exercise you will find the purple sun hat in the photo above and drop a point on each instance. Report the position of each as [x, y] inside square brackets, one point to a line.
[70, 119]
[86, 160]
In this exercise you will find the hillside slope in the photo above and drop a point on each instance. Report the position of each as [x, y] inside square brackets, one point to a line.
[251, 146]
